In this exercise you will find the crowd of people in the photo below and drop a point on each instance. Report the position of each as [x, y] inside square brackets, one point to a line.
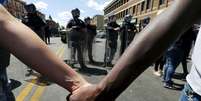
[82, 34]
[155, 40]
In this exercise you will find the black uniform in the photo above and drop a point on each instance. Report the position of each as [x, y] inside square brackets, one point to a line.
[5, 90]
[36, 23]
[76, 36]
[128, 31]
[112, 37]
[47, 34]
[91, 33]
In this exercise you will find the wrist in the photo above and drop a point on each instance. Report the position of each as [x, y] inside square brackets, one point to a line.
[78, 83]
[73, 83]
[101, 90]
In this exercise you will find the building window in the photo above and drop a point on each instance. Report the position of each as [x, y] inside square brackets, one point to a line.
[142, 6]
[148, 5]
[161, 2]
[138, 9]
[130, 10]
[126, 12]
[134, 9]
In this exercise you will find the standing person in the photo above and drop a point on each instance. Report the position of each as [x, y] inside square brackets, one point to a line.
[76, 36]
[158, 66]
[112, 37]
[91, 33]
[175, 55]
[47, 34]
[128, 31]
[35, 22]
[189, 41]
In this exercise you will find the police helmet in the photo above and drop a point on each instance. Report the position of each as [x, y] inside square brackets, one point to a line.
[30, 8]
[75, 12]
[128, 18]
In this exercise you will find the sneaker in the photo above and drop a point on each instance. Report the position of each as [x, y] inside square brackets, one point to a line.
[157, 73]
[169, 86]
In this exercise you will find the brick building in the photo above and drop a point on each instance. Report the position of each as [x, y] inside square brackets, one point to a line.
[140, 9]
[16, 8]
[98, 20]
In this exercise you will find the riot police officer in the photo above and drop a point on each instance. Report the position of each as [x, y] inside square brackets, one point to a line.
[76, 36]
[128, 31]
[91, 33]
[34, 21]
[112, 37]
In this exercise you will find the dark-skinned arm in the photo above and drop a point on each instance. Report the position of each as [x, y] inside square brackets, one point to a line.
[150, 44]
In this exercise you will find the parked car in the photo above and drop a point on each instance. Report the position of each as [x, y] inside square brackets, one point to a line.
[100, 37]
[64, 37]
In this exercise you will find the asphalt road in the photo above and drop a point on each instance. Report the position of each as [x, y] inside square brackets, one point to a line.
[29, 88]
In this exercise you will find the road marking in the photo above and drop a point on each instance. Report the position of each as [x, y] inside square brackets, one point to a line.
[40, 89]
[62, 52]
[26, 90]
[30, 85]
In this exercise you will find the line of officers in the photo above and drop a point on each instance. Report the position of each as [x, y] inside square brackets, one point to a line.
[82, 33]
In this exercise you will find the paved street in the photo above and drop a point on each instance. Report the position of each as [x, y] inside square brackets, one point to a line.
[28, 88]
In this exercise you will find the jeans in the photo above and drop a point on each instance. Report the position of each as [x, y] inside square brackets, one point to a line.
[173, 58]
[189, 95]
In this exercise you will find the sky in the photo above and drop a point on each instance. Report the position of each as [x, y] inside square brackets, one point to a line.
[60, 10]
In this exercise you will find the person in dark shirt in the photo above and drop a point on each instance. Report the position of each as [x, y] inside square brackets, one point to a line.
[176, 54]
[187, 44]
[47, 34]
[112, 37]
[91, 33]
[76, 36]
[34, 21]
[128, 31]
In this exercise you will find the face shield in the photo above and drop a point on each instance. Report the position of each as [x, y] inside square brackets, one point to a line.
[76, 13]
[113, 19]
[128, 18]
[30, 8]
[87, 20]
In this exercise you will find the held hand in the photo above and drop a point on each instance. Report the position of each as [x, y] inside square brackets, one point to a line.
[87, 92]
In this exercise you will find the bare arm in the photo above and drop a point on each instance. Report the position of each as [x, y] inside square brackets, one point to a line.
[152, 42]
[27, 46]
